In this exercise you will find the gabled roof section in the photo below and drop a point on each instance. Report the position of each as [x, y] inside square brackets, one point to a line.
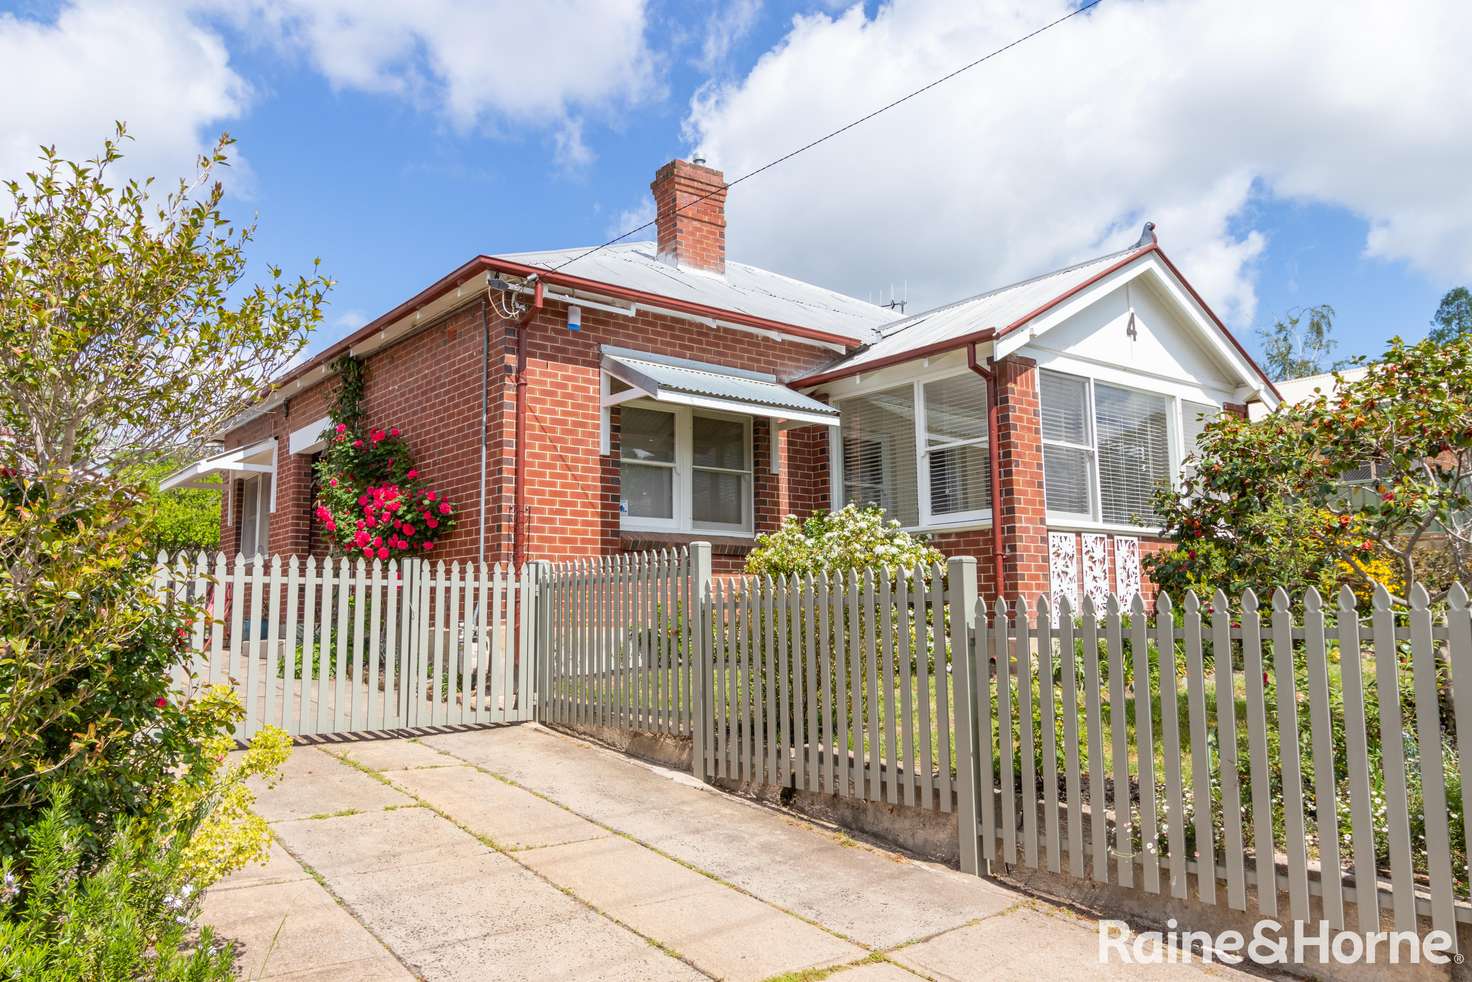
[998, 313]
[743, 289]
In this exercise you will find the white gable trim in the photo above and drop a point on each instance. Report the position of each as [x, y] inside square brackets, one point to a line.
[1148, 269]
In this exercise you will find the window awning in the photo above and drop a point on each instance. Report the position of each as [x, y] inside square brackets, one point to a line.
[257, 458]
[694, 383]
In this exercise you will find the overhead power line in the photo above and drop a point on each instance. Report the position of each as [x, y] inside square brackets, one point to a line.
[845, 128]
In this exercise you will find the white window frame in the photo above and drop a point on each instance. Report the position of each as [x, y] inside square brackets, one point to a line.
[927, 520]
[1175, 421]
[684, 469]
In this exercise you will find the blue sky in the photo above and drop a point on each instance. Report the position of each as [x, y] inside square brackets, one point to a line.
[396, 167]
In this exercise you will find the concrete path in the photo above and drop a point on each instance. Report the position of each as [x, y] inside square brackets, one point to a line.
[520, 853]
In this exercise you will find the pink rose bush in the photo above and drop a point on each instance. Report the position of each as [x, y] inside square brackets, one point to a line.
[372, 502]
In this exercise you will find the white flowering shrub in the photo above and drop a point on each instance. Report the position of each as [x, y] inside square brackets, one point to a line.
[836, 541]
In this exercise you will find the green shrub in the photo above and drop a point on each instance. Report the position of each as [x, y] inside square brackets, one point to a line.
[833, 541]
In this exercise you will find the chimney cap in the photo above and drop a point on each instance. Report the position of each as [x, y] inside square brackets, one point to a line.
[698, 159]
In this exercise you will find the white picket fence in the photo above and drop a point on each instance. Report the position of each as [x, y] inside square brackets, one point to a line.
[617, 641]
[322, 647]
[1089, 744]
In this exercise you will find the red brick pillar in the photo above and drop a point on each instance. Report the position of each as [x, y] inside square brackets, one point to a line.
[1020, 445]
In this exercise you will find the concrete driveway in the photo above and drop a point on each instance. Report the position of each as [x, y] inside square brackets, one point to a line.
[519, 853]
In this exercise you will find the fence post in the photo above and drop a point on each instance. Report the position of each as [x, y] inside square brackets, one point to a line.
[961, 596]
[700, 654]
[537, 670]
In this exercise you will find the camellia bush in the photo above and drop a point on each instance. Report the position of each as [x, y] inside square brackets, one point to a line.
[373, 501]
[1269, 503]
[851, 538]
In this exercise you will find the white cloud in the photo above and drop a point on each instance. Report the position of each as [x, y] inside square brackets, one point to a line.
[67, 81]
[631, 218]
[1182, 112]
[727, 26]
[480, 64]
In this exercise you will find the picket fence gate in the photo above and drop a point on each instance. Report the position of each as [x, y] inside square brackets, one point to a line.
[1089, 744]
[321, 647]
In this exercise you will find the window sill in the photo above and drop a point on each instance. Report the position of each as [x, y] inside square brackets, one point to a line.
[1057, 523]
[635, 540]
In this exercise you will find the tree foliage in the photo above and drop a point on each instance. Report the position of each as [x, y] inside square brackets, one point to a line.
[1269, 498]
[129, 334]
[180, 520]
[1299, 343]
[1453, 317]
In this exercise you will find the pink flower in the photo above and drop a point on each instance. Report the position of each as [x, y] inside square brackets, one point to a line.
[382, 553]
[412, 474]
[427, 544]
[408, 529]
[332, 483]
[331, 525]
[342, 427]
[429, 496]
[394, 431]
[358, 444]
[378, 540]
[160, 702]
[433, 523]
[444, 507]
[367, 552]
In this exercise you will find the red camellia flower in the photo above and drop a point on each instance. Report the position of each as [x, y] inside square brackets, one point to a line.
[160, 702]
[342, 427]
[412, 474]
[394, 431]
[444, 507]
[382, 553]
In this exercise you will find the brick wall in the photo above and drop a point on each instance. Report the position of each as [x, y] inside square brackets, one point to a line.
[429, 386]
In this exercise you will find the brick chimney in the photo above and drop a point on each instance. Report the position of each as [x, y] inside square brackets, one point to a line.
[696, 235]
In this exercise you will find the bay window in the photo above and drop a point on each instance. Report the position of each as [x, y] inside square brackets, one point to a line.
[918, 450]
[1108, 448]
[684, 470]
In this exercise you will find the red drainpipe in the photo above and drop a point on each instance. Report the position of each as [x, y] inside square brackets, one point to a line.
[518, 518]
[994, 462]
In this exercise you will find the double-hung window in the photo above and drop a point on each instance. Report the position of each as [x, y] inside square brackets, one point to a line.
[1107, 449]
[684, 470]
[918, 450]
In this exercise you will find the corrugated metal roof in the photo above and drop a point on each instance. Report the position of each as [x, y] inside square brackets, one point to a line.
[995, 308]
[732, 385]
[745, 289]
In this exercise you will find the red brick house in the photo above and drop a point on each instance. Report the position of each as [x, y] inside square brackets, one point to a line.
[656, 393]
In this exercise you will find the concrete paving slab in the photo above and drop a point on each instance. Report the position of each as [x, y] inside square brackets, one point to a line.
[1018, 944]
[878, 898]
[720, 930]
[316, 783]
[435, 895]
[389, 755]
[575, 948]
[508, 816]
[368, 842]
[874, 972]
[285, 929]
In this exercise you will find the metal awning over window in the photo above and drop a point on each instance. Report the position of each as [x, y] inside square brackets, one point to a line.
[257, 458]
[693, 383]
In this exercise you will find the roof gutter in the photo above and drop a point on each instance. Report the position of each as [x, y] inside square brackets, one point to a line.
[939, 347]
[568, 281]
